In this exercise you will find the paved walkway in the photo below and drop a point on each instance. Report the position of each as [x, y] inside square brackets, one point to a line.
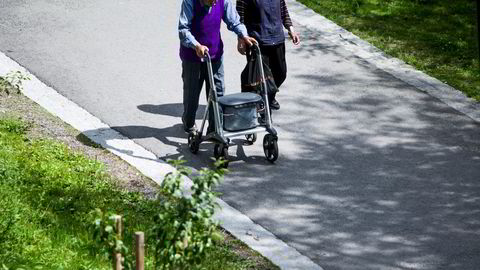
[374, 172]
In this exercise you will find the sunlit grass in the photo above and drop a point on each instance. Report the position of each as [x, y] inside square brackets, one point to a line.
[437, 37]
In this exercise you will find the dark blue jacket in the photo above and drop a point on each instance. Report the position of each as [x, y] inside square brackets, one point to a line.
[263, 19]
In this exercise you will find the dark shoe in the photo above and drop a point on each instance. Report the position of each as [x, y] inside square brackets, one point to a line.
[274, 105]
[190, 129]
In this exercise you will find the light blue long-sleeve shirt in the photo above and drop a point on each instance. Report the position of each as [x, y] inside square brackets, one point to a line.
[230, 17]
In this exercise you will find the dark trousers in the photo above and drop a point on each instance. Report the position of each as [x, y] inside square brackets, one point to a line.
[274, 57]
[193, 76]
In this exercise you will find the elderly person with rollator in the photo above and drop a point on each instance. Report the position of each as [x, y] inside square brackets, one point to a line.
[199, 32]
[264, 21]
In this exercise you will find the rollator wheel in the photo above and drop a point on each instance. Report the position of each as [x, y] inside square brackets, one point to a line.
[270, 147]
[193, 142]
[220, 151]
[251, 138]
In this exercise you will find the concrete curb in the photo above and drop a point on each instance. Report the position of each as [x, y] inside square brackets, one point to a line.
[397, 68]
[239, 225]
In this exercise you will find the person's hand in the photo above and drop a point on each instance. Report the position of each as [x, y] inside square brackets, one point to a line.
[245, 42]
[201, 50]
[294, 36]
[241, 46]
[249, 41]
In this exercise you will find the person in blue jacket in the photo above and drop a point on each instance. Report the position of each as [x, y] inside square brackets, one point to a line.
[265, 21]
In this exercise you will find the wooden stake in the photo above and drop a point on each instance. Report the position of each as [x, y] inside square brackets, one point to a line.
[140, 251]
[117, 256]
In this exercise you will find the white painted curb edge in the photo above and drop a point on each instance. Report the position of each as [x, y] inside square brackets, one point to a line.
[242, 227]
[397, 68]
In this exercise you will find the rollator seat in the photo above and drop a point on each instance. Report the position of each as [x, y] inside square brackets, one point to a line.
[239, 111]
[240, 99]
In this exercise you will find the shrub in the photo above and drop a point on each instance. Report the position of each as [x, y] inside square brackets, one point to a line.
[184, 229]
[13, 81]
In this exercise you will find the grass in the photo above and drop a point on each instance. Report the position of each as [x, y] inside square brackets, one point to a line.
[47, 194]
[435, 36]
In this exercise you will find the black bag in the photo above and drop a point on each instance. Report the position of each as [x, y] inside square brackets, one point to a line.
[251, 78]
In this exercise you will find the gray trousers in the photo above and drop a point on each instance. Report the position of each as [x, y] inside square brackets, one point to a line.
[193, 76]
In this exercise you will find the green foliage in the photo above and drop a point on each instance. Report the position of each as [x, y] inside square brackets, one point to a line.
[355, 5]
[46, 193]
[14, 126]
[185, 230]
[13, 81]
[48, 197]
[109, 240]
[10, 217]
[437, 37]
[4, 267]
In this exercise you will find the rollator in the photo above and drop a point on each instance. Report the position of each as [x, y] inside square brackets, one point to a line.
[242, 114]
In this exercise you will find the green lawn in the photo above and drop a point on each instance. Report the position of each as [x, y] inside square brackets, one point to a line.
[47, 194]
[435, 36]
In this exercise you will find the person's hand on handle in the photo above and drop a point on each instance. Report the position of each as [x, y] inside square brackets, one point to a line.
[201, 50]
[241, 46]
[294, 36]
[245, 42]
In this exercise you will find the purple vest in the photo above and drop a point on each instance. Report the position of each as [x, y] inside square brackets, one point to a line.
[206, 30]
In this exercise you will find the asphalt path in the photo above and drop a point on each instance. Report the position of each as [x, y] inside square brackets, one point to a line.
[373, 173]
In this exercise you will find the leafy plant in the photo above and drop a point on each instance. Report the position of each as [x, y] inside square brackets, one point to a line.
[109, 239]
[14, 126]
[13, 81]
[184, 228]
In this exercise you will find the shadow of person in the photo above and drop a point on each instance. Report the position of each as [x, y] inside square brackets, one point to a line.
[109, 138]
[169, 136]
[170, 109]
[105, 136]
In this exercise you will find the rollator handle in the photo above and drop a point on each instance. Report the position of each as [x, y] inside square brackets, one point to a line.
[256, 47]
[206, 56]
